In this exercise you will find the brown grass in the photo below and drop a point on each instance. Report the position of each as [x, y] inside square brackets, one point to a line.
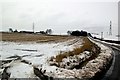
[87, 45]
[24, 37]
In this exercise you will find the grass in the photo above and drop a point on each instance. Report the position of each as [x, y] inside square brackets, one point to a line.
[24, 37]
[88, 46]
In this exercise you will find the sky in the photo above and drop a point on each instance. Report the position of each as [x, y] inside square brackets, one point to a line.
[59, 15]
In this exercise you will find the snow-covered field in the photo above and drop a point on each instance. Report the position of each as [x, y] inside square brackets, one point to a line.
[107, 37]
[35, 53]
[25, 56]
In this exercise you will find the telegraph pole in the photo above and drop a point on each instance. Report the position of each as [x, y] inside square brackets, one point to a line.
[33, 27]
[110, 31]
[101, 35]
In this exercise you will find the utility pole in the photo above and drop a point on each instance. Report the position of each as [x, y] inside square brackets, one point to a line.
[33, 27]
[110, 31]
[101, 35]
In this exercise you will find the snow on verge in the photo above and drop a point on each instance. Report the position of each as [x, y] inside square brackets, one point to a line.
[92, 67]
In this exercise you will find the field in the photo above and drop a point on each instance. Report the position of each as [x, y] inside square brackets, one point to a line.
[24, 37]
[41, 56]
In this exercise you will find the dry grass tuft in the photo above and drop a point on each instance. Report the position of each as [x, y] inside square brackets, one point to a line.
[88, 45]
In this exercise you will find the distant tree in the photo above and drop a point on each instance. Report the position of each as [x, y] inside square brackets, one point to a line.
[89, 34]
[84, 33]
[10, 30]
[69, 32]
[79, 33]
[42, 32]
[76, 33]
[49, 31]
[15, 30]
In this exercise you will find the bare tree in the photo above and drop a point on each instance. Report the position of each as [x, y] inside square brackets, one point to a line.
[10, 30]
[69, 32]
[49, 31]
[16, 30]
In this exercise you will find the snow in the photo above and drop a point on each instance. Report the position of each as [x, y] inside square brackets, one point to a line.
[107, 37]
[38, 55]
[11, 48]
[70, 62]
[91, 68]
[21, 70]
[35, 53]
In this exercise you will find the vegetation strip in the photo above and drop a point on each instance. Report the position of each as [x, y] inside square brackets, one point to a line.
[91, 68]
[88, 46]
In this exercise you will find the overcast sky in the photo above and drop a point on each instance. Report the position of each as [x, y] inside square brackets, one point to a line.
[59, 15]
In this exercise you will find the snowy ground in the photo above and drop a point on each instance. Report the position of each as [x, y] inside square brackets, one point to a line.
[91, 68]
[35, 53]
[107, 37]
[26, 56]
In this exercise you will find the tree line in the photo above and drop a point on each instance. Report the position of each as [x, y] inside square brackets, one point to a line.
[50, 31]
[77, 33]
